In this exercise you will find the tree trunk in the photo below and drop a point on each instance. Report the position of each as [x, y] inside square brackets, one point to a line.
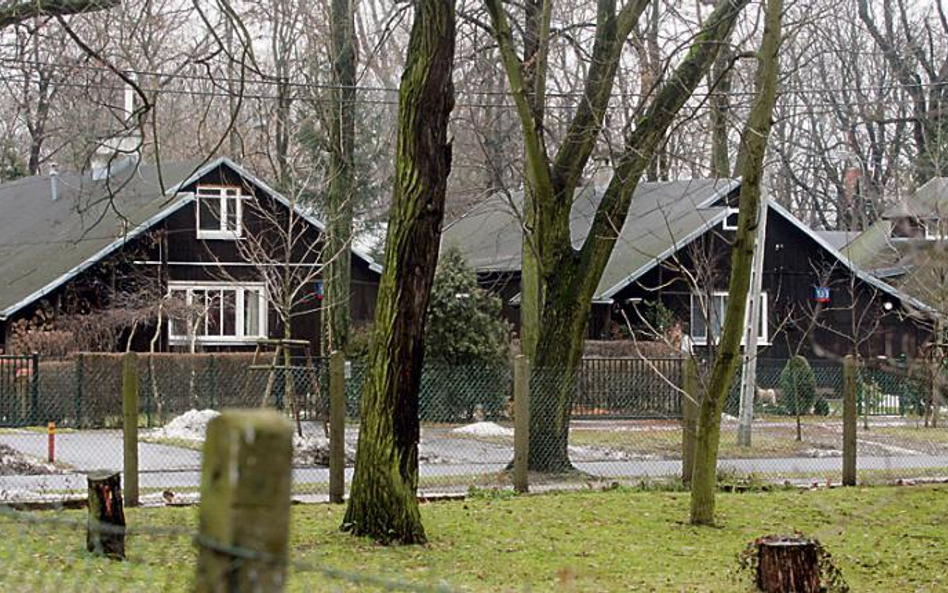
[382, 502]
[105, 533]
[341, 176]
[788, 565]
[751, 159]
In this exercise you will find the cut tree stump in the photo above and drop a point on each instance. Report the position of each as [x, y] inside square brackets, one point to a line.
[788, 565]
[105, 531]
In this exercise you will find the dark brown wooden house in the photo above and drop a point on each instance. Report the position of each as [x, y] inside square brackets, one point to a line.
[198, 256]
[674, 249]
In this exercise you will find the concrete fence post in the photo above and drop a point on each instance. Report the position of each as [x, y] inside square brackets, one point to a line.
[690, 399]
[850, 370]
[245, 503]
[130, 426]
[521, 386]
[337, 427]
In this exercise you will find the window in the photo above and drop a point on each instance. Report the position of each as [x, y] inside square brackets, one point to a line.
[712, 316]
[730, 220]
[933, 229]
[217, 313]
[219, 212]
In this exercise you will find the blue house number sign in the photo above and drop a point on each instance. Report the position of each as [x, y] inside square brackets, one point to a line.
[821, 294]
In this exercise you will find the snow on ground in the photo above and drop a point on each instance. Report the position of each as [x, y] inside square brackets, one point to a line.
[190, 426]
[14, 463]
[309, 449]
[484, 429]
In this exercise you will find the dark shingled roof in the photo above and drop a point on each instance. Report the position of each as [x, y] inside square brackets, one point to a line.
[663, 218]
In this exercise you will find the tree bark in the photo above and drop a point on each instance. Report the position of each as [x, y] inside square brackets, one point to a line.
[341, 175]
[383, 502]
[751, 161]
[105, 534]
[788, 565]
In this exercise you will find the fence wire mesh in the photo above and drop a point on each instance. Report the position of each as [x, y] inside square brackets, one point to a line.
[46, 551]
[610, 420]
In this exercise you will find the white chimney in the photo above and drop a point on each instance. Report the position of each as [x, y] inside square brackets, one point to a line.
[54, 181]
[122, 149]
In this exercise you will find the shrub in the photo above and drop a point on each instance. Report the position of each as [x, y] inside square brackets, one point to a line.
[821, 407]
[798, 386]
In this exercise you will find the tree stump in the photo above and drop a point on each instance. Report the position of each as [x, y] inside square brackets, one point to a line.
[105, 531]
[788, 565]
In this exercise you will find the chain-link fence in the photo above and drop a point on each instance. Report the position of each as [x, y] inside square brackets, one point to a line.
[612, 420]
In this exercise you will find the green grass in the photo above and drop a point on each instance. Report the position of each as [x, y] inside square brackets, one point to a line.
[667, 443]
[883, 539]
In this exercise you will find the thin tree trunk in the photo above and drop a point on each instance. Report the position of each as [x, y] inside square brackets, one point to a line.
[382, 502]
[751, 158]
[341, 175]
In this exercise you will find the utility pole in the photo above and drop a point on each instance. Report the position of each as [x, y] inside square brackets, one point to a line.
[749, 371]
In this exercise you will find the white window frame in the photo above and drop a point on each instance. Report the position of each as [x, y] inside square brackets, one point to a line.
[933, 230]
[239, 337]
[727, 214]
[219, 192]
[763, 335]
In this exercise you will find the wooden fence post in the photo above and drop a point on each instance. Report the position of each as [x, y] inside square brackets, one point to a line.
[105, 530]
[689, 417]
[130, 426]
[850, 370]
[245, 502]
[337, 427]
[521, 385]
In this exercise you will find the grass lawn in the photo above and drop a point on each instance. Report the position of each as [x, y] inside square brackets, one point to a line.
[667, 443]
[883, 539]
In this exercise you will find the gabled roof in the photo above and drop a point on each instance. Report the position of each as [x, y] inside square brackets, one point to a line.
[664, 218]
[45, 242]
[930, 200]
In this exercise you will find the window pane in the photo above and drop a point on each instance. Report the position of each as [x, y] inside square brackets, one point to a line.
[214, 313]
[209, 213]
[698, 327]
[229, 312]
[252, 313]
[232, 214]
[717, 312]
[198, 313]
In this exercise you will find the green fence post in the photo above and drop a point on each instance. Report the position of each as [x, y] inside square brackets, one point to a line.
[337, 427]
[130, 385]
[849, 421]
[34, 389]
[80, 371]
[521, 385]
[245, 503]
[689, 417]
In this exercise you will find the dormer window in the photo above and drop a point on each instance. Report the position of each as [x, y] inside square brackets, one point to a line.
[219, 212]
[730, 219]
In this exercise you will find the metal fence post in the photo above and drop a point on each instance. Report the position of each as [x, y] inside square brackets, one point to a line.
[80, 371]
[689, 417]
[245, 503]
[337, 427]
[34, 389]
[521, 385]
[130, 426]
[849, 420]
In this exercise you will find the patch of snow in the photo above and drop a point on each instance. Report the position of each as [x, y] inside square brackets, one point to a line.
[14, 463]
[190, 426]
[484, 429]
[728, 418]
[313, 449]
[822, 453]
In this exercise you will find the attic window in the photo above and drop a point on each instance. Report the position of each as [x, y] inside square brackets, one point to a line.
[730, 220]
[219, 212]
[933, 229]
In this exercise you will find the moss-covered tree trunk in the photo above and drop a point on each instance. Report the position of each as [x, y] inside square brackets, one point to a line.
[382, 501]
[751, 166]
[568, 276]
[341, 176]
